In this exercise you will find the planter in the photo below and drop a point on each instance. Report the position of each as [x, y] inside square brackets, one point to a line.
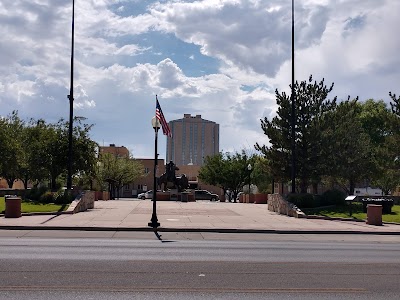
[260, 198]
[163, 196]
[106, 196]
[251, 198]
[241, 198]
[98, 196]
[191, 198]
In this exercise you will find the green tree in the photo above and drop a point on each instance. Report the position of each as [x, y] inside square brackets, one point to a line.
[261, 176]
[226, 170]
[117, 171]
[311, 105]
[395, 104]
[11, 129]
[35, 152]
[56, 145]
[350, 151]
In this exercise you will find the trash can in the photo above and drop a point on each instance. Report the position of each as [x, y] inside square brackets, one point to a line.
[13, 207]
[374, 214]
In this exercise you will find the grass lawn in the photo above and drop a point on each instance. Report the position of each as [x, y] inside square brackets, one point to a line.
[28, 207]
[344, 212]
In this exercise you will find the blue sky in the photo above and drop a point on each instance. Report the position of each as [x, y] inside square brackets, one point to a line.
[222, 59]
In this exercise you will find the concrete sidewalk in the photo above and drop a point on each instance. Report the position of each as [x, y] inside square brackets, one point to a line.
[201, 216]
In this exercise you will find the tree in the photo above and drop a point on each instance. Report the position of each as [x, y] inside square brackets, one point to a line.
[35, 152]
[311, 105]
[226, 170]
[56, 145]
[350, 151]
[261, 175]
[11, 129]
[117, 171]
[395, 103]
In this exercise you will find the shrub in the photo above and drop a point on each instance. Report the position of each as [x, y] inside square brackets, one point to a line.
[302, 200]
[47, 197]
[333, 197]
[35, 193]
[63, 197]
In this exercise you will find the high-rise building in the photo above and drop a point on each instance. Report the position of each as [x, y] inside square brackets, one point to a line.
[193, 139]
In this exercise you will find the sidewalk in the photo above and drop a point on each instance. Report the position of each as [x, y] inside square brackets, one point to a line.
[201, 216]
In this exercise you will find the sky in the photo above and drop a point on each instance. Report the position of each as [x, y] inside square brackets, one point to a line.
[221, 59]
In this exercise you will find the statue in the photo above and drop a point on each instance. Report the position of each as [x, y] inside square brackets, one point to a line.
[170, 170]
[169, 176]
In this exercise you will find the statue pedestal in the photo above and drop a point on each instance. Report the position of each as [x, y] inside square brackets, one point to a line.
[173, 195]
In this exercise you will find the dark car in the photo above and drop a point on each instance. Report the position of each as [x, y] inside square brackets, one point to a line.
[205, 195]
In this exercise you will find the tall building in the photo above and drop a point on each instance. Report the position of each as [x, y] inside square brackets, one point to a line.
[193, 139]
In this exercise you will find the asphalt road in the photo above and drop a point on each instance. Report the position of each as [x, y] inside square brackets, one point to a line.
[98, 268]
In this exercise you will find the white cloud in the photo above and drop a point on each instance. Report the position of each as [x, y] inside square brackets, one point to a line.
[122, 61]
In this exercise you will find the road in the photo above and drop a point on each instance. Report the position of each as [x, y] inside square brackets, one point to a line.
[273, 268]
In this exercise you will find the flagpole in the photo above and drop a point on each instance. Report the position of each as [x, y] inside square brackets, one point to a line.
[293, 119]
[71, 105]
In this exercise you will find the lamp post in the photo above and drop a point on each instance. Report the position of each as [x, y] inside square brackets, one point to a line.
[154, 221]
[249, 169]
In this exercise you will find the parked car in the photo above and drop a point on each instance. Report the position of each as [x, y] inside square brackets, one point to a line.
[146, 195]
[238, 196]
[205, 195]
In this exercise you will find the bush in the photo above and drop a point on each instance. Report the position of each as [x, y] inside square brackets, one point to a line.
[35, 193]
[333, 197]
[47, 197]
[63, 197]
[302, 200]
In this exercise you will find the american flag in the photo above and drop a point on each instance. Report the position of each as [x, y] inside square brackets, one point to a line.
[160, 117]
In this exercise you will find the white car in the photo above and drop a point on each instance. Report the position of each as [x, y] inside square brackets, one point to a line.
[146, 195]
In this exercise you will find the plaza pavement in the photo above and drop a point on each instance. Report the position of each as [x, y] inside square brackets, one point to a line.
[201, 216]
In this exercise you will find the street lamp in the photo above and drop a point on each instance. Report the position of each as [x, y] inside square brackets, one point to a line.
[249, 169]
[154, 221]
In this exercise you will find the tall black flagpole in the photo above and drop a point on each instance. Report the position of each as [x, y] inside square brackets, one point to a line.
[293, 120]
[71, 105]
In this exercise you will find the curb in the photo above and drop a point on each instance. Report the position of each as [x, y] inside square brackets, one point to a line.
[210, 230]
[342, 219]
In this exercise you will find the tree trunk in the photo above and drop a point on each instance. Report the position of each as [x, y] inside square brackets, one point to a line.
[25, 181]
[53, 184]
[351, 187]
[303, 186]
[315, 188]
[10, 182]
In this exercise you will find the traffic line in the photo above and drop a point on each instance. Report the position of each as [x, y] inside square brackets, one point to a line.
[183, 289]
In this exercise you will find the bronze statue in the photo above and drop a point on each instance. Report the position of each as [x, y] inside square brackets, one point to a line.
[170, 170]
[169, 176]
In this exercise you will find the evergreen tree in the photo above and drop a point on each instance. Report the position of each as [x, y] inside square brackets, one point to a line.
[311, 104]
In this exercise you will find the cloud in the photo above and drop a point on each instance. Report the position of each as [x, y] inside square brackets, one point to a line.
[253, 35]
[126, 52]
